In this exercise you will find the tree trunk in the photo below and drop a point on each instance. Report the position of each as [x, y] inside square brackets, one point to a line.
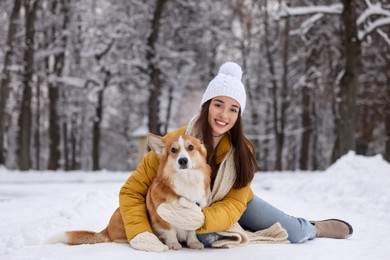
[387, 117]
[366, 123]
[154, 123]
[99, 108]
[54, 90]
[54, 135]
[75, 133]
[168, 117]
[73, 144]
[24, 122]
[66, 146]
[4, 85]
[37, 135]
[284, 95]
[387, 125]
[306, 126]
[96, 132]
[75, 141]
[314, 143]
[245, 46]
[275, 106]
[349, 83]
[253, 114]
[307, 113]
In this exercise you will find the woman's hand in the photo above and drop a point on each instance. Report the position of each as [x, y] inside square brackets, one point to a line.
[183, 214]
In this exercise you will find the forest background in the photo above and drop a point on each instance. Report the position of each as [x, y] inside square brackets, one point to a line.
[80, 78]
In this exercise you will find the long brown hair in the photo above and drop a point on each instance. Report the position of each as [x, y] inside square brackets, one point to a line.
[244, 155]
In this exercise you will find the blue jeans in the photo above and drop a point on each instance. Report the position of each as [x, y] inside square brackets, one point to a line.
[261, 215]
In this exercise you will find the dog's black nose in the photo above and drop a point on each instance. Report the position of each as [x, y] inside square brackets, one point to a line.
[183, 162]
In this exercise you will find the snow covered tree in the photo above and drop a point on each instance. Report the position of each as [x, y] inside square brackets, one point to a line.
[24, 120]
[6, 77]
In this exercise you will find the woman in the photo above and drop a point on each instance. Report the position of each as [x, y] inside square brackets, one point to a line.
[231, 157]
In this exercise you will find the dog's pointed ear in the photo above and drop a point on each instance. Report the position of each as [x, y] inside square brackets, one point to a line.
[156, 144]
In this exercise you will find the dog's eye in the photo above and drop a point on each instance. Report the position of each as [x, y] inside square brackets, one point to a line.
[173, 150]
[190, 147]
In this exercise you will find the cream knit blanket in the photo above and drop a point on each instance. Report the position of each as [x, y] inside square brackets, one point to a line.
[236, 235]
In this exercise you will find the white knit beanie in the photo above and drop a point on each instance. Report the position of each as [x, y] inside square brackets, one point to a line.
[227, 83]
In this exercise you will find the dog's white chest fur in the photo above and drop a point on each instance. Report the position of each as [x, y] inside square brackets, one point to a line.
[190, 184]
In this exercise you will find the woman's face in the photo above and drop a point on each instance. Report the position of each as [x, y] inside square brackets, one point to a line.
[223, 114]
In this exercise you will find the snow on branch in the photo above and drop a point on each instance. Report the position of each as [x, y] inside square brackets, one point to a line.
[306, 10]
[377, 10]
[72, 81]
[363, 21]
[307, 24]
[373, 26]
[316, 12]
[67, 80]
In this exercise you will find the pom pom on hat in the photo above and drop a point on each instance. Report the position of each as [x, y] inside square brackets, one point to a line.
[232, 69]
[227, 83]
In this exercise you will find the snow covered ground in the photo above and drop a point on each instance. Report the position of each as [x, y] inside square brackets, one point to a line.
[36, 205]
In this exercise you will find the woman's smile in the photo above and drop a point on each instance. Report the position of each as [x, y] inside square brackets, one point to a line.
[220, 123]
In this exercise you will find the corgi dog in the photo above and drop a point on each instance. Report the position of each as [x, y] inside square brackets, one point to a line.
[183, 173]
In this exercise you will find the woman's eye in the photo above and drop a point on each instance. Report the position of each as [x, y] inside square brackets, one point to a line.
[190, 147]
[173, 150]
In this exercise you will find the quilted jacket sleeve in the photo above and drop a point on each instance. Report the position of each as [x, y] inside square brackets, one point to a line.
[132, 197]
[223, 214]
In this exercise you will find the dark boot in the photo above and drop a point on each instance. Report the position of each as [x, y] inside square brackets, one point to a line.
[333, 228]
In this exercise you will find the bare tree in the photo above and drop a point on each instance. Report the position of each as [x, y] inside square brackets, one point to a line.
[99, 106]
[306, 126]
[5, 79]
[371, 19]
[277, 110]
[24, 122]
[59, 8]
[387, 120]
[310, 75]
[349, 83]
[279, 94]
[246, 12]
[153, 70]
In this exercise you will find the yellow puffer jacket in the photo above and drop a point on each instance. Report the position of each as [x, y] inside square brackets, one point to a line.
[218, 216]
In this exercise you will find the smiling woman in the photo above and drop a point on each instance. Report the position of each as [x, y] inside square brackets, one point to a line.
[233, 165]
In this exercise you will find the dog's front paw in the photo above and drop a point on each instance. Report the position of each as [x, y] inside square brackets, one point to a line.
[174, 245]
[195, 245]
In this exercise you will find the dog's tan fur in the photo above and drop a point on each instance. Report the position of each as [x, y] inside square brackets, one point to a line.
[169, 185]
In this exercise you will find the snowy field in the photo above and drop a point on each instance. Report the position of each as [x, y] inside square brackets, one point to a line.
[36, 205]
